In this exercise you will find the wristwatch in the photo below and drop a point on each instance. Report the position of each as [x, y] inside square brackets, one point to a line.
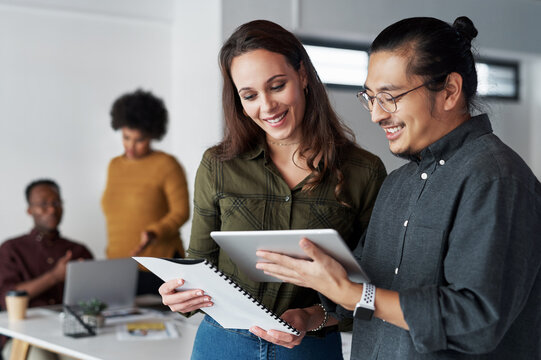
[365, 307]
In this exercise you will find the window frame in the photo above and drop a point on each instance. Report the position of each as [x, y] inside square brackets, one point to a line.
[337, 44]
[514, 65]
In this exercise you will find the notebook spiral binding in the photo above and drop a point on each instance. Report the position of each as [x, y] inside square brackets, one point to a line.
[251, 298]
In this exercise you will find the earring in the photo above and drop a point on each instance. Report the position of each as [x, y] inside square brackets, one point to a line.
[306, 91]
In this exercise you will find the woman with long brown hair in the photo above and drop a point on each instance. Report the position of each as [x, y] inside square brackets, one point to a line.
[286, 162]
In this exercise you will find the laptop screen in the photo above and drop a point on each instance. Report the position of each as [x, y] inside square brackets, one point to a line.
[111, 281]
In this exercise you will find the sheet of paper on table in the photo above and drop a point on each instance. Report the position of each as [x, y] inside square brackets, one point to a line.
[146, 330]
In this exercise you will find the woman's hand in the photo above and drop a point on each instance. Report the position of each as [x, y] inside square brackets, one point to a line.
[180, 300]
[301, 319]
[298, 318]
[147, 238]
[321, 273]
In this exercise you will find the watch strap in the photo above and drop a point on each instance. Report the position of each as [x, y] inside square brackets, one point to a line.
[365, 307]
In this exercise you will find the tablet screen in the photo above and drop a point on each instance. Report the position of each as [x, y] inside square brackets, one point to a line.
[242, 245]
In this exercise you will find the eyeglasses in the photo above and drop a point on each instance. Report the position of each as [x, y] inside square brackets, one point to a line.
[45, 205]
[385, 100]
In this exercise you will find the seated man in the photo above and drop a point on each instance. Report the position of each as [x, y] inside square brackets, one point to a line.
[36, 262]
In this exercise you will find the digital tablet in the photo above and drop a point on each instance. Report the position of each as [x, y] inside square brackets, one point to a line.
[242, 245]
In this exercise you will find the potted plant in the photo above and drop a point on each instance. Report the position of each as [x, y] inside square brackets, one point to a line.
[92, 312]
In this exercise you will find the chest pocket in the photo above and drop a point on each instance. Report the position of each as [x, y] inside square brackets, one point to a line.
[340, 218]
[242, 213]
[421, 259]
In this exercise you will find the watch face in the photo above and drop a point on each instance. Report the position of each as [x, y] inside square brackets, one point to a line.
[363, 313]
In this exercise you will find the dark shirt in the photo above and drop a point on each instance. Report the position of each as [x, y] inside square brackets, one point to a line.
[30, 256]
[248, 193]
[457, 234]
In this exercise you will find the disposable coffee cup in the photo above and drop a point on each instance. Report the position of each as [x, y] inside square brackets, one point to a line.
[16, 303]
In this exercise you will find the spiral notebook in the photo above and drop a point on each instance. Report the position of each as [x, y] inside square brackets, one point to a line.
[233, 307]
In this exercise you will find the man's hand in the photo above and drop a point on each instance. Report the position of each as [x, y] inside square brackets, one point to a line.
[321, 273]
[325, 275]
[59, 271]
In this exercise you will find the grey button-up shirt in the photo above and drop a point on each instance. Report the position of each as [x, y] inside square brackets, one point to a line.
[457, 232]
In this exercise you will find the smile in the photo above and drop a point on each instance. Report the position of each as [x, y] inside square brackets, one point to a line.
[393, 132]
[393, 129]
[277, 119]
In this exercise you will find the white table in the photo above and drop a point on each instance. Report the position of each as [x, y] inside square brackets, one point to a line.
[43, 328]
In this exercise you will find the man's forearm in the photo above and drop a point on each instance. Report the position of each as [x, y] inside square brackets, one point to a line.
[387, 303]
[38, 285]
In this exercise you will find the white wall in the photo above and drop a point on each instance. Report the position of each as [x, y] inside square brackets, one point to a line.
[61, 68]
[535, 106]
[63, 62]
[196, 105]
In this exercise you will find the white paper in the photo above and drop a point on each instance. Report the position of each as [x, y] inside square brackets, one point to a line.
[146, 331]
[232, 309]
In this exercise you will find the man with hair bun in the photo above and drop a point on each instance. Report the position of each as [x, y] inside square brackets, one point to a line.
[452, 248]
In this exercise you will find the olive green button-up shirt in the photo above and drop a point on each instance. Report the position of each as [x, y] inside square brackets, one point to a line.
[248, 193]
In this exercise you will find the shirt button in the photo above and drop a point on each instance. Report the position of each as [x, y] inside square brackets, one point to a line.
[50, 260]
[406, 223]
[286, 198]
[424, 176]
[442, 162]
[396, 271]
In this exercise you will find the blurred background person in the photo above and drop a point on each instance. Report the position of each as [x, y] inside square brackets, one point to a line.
[36, 262]
[145, 201]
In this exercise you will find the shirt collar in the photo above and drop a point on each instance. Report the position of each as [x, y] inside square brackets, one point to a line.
[256, 152]
[448, 145]
[40, 235]
[261, 149]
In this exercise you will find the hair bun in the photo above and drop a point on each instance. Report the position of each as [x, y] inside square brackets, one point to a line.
[464, 26]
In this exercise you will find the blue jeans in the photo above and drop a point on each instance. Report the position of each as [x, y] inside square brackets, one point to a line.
[214, 342]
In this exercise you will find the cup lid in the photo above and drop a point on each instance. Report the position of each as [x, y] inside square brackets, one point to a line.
[17, 293]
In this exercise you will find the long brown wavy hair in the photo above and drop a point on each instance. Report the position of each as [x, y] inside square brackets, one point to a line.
[322, 131]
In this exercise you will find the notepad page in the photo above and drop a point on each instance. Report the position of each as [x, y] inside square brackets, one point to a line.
[231, 309]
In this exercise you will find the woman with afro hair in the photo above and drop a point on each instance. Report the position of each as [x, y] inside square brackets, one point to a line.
[145, 201]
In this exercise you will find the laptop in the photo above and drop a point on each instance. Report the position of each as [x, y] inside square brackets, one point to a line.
[112, 281]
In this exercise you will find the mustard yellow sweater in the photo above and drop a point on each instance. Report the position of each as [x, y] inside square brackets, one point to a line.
[147, 194]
